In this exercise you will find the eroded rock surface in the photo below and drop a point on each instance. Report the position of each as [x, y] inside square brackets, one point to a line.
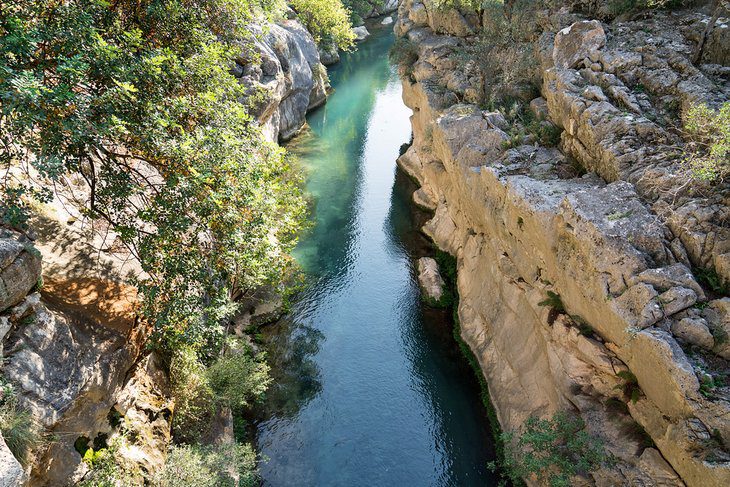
[289, 73]
[616, 246]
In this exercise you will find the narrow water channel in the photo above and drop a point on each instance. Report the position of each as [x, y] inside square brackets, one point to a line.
[370, 387]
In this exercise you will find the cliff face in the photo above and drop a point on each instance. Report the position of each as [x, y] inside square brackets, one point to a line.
[284, 75]
[614, 247]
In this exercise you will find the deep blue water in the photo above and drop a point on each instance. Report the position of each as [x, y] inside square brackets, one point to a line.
[371, 389]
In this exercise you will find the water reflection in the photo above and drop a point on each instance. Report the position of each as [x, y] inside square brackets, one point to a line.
[373, 391]
[296, 378]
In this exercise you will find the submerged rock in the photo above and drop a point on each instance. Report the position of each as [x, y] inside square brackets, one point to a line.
[429, 278]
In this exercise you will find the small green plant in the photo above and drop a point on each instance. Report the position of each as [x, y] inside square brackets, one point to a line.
[20, 431]
[618, 215]
[720, 335]
[711, 279]
[553, 301]
[707, 385]
[630, 387]
[707, 152]
[520, 222]
[584, 328]
[552, 450]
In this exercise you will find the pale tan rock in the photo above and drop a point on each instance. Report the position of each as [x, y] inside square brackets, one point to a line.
[575, 43]
[429, 278]
[11, 472]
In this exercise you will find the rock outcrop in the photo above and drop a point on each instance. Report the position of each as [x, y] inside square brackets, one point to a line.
[284, 76]
[71, 349]
[566, 281]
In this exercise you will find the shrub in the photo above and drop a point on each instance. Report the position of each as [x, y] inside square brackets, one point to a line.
[215, 466]
[630, 386]
[20, 431]
[404, 53]
[239, 379]
[708, 150]
[108, 469]
[552, 450]
[327, 21]
[135, 101]
[194, 397]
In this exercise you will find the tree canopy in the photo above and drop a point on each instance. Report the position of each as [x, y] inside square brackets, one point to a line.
[136, 99]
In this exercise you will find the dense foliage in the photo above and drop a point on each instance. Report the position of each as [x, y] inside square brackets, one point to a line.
[135, 100]
[552, 450]
[327, 20]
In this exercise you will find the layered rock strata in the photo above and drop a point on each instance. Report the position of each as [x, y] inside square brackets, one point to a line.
[566, 282]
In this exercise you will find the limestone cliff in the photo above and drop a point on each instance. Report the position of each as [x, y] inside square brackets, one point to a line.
[567, 280]
[284, 75]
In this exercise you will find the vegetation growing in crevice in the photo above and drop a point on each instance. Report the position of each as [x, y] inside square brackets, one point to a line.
[630, 387]
[707, 152]
[19, 430]
[447, 265]
[404, 53]
[552, 450]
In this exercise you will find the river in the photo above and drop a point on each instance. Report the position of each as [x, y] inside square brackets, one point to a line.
[371, 389]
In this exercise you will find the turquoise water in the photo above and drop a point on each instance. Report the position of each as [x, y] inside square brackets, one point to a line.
[370, 387]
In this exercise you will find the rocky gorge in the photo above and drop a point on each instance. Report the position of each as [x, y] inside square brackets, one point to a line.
[574, 288]
[72, 340]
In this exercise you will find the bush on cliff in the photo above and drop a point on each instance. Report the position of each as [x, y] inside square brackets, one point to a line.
[19, 430]
[552, 450]
[327, 20]
[130, 107]
[708, 148]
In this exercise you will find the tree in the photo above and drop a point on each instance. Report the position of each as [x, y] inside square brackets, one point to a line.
[135, 99]
[327, 21]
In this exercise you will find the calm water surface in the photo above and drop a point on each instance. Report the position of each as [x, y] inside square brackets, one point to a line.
[370, 387]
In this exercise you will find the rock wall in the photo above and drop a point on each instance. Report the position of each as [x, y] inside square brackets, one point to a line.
[613, 248]
[284, 76]
[71, 346]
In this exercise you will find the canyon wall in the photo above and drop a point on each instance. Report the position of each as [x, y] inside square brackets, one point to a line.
[566, 280]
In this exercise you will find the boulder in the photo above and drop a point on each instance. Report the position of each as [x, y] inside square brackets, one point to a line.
[429, 278]
[289, 70]
[693, 331]
[20, 268]
[329, 54]
[387, 21]
[575, 43]
[361, 33]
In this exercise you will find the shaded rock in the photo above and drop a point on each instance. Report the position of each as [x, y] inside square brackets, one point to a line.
[429, 277]
[329, 54]
[539, 108]
[575, 43]
[20, 268]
